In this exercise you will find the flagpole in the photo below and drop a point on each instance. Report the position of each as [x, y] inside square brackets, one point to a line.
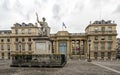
[63, 26]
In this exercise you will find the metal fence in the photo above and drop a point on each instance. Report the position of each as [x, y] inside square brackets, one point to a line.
[41, 60]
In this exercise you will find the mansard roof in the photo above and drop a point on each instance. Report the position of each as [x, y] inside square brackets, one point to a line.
[23, 24]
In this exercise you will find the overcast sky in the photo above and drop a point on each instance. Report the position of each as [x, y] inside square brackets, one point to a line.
[76, 14]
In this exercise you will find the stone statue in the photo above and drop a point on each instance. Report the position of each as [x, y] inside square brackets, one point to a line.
[44, 29]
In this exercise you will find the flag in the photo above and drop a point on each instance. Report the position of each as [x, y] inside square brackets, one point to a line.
[64, 25]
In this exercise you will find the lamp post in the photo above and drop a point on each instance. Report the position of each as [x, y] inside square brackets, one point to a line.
[89, 60]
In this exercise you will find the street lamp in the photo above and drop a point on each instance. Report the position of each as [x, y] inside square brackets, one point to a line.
[89, 60]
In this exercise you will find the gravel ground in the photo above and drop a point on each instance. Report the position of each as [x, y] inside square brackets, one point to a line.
[73, 67]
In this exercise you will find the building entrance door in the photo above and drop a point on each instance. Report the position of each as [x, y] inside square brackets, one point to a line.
[62, 48]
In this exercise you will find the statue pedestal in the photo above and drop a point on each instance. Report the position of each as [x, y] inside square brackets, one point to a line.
[43, 45]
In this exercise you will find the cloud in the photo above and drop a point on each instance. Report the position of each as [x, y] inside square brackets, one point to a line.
[117, 10]
[37, 3]
[79, 6]
[56, 11]
[99, 3]
[6, 5]
[75, 14]
[45, 1]
[18, 7]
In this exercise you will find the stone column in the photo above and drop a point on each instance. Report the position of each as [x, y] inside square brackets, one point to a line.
[26, 48]
[71, 46]
[5, 55]
[68, 48]
[75, 47]
[85, 48]
[57, 43]
[55, 49]
[52, 44]
[80, 48]
[1, 55]
[106, 55]
[99, 51]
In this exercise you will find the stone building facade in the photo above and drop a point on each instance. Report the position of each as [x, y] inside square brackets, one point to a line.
[102, 35]
[98, 41]
[118, 48]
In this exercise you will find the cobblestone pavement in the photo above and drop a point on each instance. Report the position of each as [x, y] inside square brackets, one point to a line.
[73, 67]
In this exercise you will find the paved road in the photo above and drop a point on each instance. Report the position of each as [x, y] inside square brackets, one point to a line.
[73, 67]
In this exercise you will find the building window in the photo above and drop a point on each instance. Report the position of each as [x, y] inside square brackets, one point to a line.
[102, 55]
[95, 46]
[16, 39]
[2, 40]
[103, 29]
[96, 29]
[16, 31]
[8, 40]
[2, 55]
[95, 55]
[2, 47]
[102, 37]
[29, 47]
[96, 37]
[16, 46]
[8, 46]
[23, 40]
[8, 55]
[76, 47]
[109, 37]
[109, 46]
[29, 39]
[29, 31]
[102, 46]
[109, 55]
[49, 47]
[81, 43]
[23, 46]
[110, 29]
[62, 47]
[23, 31]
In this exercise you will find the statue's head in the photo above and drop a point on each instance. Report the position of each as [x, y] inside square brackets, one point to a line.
[43, 19]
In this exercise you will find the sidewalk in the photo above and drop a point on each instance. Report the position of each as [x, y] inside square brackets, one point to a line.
[115, 64]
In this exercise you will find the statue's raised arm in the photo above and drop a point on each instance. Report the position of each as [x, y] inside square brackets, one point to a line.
[44, 28]
[37, 18]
